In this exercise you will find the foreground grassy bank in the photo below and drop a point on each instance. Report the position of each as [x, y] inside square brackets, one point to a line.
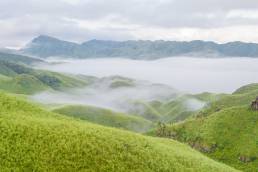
[227, 130]
[36, 140]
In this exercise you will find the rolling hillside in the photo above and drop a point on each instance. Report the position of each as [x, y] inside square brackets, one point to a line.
[25, 80]
[23, 84]
[242, 96]
[106, 117]
[225, 131]
[175, 110]
[15, 58]
[35, 140]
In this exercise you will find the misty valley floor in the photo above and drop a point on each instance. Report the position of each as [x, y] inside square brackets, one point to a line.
[194, 75]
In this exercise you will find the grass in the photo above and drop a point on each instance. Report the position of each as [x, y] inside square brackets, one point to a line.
[231, 100]
[247, 89]
[120, 84]
[106, 117]
[115, 82]
[226, 136]
[59, 81]
[171, 111]
[23, 84]
[6, 71]
[145, 110]
[36, 140]
[4, 78]
[226, 131]
[21, 59]
[26, 80]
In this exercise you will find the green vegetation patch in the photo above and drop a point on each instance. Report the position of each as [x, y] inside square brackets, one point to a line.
[229, 136]
[106, 117]
[174, 110]
[26, 80]
[23, 84]
[247, 89]
[32, 139]
[226, 130]
[21, 59]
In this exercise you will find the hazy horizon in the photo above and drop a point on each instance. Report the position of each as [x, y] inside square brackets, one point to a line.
[214, 20]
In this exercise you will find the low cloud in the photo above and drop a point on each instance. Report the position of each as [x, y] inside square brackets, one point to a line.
[186, 74]
[194, 104]
[105, 93]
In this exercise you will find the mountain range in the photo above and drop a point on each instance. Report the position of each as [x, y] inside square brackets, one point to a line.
[45, 46]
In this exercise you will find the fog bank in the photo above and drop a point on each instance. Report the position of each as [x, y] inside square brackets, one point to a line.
[102, 93]
[192, 75]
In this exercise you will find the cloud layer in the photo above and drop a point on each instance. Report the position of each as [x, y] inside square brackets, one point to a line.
[186, 74]
[81, 20]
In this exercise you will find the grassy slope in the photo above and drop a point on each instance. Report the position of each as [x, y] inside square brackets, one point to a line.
[4, 78]
[232, 133]
[247, 89]
[145, 110]
[19, 58]
[106, 117]
[227, 130]
[178, 110]
[239, 98]
[28, 81]
[174, 110]
[23, 84]
[59, 81]
[5, 70]
[35, 140]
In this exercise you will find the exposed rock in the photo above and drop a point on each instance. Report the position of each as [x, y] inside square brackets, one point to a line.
[254, 104]
[162, 131]
[203, 147]
[246, 159]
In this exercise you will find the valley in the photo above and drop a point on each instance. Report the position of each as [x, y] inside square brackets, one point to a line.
[67, 105]
[128, 86]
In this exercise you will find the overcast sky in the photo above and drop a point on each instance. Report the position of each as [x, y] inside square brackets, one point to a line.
[82, 20]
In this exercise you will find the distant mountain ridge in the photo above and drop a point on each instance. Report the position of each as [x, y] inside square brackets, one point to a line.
[46, 46]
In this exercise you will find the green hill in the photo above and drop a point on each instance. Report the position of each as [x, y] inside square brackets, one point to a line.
[177, 109]
[5, 70]
[106, 117]
[247, 89]
[242, 96]
[117, 82]
[4, 78]
[225, 131]
[23, 84]
[32, 139]
[145, 110]
[26, 80]
[21, 59]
